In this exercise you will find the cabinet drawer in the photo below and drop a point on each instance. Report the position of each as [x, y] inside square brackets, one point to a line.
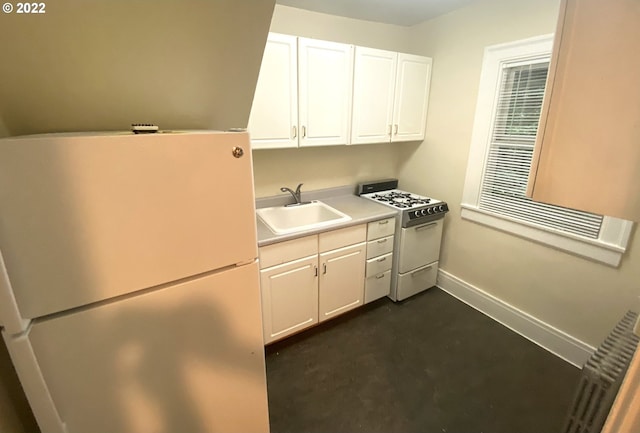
[342, 237]
[380, 229]
[377, 286]
[283, 252]
[379, 247]
[378, 265]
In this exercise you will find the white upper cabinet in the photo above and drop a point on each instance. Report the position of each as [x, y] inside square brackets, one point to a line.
[310, 91]
[303, 94]
[411, 97]
[273, 121]
[391, 92]
[325, 89]
[374, 82]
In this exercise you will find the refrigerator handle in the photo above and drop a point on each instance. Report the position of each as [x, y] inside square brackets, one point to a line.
[33, 383]
[12, 320]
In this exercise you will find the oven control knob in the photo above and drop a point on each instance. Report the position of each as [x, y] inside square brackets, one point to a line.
[430, 210]
[417, 213]
[424, 211]
[441, 208]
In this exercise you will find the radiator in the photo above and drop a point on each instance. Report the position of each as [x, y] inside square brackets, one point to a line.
[601, 377]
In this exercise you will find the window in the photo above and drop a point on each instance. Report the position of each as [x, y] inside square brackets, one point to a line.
[512, 86]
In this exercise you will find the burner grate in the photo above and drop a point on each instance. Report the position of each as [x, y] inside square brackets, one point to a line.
[401, 200]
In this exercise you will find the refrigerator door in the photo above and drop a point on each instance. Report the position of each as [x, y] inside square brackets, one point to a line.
[84, 218]
[183, 358]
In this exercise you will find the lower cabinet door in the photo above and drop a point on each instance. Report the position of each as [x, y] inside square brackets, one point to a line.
[341, 280]
[289, 297]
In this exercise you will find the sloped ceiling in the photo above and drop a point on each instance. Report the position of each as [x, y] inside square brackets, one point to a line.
[104, 64]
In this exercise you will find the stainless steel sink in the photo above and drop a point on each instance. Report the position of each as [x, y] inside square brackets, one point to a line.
[290, 219]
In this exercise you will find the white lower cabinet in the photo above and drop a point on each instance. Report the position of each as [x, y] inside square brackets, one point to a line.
[380, 237]
[311, 279]
[341, 280]
[289, 297]
[377, 286]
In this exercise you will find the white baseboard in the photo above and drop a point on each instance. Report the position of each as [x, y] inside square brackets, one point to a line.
[544, 335]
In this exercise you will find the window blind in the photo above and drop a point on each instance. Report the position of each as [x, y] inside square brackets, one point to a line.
[513, 136]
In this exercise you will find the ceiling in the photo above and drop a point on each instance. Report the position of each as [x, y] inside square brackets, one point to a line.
[399, 12]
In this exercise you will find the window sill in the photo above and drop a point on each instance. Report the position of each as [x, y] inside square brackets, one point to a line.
[594, 249]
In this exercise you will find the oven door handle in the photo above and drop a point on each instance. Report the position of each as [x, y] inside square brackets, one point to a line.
[425, 226]
[413, 274]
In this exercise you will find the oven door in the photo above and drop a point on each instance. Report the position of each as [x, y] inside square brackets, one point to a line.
[420, 245]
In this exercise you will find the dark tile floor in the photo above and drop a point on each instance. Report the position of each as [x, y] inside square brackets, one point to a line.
[428, 364]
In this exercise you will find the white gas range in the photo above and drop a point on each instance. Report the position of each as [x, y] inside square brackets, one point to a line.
[417, 239]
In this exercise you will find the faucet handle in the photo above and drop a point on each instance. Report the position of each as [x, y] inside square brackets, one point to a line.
[298, 188]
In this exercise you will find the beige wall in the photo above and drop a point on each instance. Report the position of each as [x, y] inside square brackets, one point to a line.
[316, 25]
[326, 167]
[580, 297]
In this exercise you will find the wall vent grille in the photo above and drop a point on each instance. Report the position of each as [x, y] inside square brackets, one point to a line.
[601, 377]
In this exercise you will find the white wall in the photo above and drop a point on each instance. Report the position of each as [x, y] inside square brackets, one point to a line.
[580, 297]
[337, 165]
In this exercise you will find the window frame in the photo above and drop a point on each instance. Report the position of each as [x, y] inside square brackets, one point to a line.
[614, 232]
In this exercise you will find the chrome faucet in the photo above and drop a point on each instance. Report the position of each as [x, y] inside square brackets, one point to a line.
[295, 194]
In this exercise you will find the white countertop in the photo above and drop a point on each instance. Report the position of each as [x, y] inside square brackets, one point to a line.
[360, 210]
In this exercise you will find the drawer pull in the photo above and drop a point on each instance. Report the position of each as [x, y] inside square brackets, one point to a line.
[421, 271]
[381, 259]
[379, 276]
[383, 222]
[382, 241]
[426, 226]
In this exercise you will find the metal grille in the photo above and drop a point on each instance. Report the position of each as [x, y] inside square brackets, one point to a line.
[601, 377]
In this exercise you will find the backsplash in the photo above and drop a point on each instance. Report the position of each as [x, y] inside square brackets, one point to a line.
[322, 167]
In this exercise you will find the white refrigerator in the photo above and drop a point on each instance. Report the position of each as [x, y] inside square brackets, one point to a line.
[129, 287]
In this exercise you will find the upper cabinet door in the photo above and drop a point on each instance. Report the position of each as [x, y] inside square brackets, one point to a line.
[325, 89]
[373, 88]
[411, 97]
[588, 147]
[273, 122]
